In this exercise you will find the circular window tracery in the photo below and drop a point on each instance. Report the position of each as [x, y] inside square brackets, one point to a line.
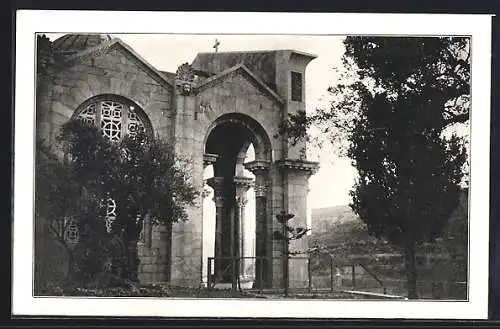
[114, 118]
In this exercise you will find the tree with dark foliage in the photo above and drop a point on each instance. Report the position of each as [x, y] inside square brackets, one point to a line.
[142, 177]
[394, 114]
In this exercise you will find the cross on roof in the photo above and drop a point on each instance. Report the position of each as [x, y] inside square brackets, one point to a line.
[216, 45]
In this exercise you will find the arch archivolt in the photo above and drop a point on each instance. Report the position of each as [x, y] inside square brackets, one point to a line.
[214, 103]
[257, 134]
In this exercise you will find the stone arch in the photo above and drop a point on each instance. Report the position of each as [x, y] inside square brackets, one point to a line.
[257, 134]
[128, 105]
[227, 139]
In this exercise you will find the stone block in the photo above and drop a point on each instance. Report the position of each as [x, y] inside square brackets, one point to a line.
[149, 268]
[146, 260]
[145, 278]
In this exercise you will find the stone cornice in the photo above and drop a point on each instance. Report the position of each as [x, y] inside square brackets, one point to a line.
[298, 165]
[257, 165]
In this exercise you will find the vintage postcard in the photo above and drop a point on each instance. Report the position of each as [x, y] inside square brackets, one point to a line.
[200, 164]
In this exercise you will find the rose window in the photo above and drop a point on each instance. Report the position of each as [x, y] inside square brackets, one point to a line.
[114, 119]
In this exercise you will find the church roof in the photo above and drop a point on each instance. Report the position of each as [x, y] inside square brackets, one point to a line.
[73, 43]
[105, 45]
[262, 63]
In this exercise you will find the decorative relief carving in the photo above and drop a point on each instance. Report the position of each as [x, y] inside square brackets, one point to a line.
[204, 107]
[241, 201]
[186, 77]
[185, 73]
[185, 89]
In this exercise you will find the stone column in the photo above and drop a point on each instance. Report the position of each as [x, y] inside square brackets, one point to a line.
[242, 184]
[295, 175]
[208, 160]
[260, 169]
[217, 184]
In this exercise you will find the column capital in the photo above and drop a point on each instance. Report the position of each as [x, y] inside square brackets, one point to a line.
[209, 159]
[205, 193]
[258, 166]
[308, 167]
[219, 201]
[260, 190]
[216, 183]
[241, 201]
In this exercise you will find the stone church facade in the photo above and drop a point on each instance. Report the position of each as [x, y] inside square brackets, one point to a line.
[211, 110]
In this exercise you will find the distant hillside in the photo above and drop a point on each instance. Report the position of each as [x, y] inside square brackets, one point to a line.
[340, 230]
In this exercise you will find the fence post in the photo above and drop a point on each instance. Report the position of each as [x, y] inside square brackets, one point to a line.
[338, 278]
[233, 274]
[261, 271]
[332, 284]
[209, 273]
[353, 276]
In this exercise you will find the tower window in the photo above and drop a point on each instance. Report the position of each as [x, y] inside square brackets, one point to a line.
[296, 86]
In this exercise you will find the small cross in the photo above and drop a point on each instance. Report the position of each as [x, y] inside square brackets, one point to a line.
[216, 45]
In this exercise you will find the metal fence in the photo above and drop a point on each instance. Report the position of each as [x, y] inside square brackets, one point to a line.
[439, 277]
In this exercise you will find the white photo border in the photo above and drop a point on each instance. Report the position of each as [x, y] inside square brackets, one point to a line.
[29, 22]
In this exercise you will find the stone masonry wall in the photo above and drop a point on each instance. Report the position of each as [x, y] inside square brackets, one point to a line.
[115, 72]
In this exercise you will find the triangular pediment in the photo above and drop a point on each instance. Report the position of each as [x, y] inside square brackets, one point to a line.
[243, 71]
[119, 45]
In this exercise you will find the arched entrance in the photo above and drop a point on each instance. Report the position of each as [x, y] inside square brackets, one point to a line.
[226, 147]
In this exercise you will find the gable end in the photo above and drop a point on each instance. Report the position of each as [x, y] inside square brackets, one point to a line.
[242, 70]
[129, 53]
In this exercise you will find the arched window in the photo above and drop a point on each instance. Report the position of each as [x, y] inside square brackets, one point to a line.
[116, 117]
